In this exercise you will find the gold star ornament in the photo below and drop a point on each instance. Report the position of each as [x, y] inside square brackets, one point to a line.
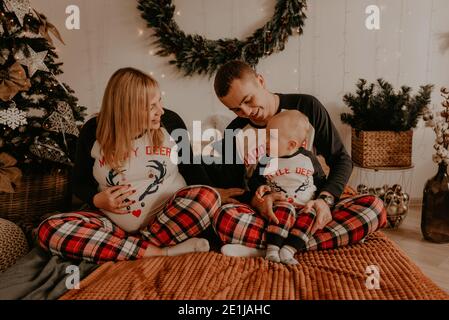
[34, 62]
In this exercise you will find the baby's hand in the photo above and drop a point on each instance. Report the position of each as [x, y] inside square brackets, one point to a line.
[261, 192]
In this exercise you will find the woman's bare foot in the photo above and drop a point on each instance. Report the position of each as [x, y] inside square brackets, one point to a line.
[153, 251]
[188, 246]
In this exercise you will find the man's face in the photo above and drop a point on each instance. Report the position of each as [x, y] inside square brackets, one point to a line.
[248, 98]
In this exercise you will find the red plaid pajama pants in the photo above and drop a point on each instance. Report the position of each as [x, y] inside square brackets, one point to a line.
[93, 237]
[353, 219]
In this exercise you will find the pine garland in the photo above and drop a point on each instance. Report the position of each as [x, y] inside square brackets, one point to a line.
[377, 107]
[196, 54]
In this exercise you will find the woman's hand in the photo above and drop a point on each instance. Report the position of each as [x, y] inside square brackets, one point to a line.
[323, 214]
[227, 195]
[265, 207]
[114, 199]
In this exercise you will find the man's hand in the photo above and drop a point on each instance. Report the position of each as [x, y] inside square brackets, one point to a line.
[323, 214]
[265, 207]
[260, 192]
[227, 195]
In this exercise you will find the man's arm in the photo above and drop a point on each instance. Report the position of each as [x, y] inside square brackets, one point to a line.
[319, 177]
[85, 187]
[256, 180]
[328, 143]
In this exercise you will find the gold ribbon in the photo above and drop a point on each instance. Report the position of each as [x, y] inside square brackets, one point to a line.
[13, 80]
[9, 175]
[47, 27]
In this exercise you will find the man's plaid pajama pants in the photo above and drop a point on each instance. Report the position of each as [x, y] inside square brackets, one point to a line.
[353, 219]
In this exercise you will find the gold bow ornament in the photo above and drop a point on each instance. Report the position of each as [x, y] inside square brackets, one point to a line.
[47, 27]
[13, 80]
[9, 174]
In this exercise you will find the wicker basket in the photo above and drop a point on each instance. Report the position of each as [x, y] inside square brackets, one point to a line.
[374, 149]
[37, 195]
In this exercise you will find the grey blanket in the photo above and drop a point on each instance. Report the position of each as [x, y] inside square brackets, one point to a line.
[39, 276]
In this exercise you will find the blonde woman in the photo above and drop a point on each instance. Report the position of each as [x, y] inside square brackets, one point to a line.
[145, 203]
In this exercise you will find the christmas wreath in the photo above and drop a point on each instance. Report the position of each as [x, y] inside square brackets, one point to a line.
[196, 54]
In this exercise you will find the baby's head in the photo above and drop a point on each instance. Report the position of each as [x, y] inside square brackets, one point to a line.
[292, 130]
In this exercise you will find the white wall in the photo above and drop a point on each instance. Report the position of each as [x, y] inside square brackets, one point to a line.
[336, 49]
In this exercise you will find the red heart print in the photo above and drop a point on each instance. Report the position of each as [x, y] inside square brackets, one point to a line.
[137, 213]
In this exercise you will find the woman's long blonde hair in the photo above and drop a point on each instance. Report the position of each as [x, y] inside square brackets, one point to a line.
[125, 114]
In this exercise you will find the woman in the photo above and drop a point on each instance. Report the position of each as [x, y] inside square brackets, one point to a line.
[126, 167]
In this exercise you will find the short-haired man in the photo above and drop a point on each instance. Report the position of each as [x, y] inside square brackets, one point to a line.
[335, 223]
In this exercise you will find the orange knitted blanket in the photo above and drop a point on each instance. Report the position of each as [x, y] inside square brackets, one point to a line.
[343, 273]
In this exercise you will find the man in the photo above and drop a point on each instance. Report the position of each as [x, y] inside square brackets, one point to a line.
[332, 222]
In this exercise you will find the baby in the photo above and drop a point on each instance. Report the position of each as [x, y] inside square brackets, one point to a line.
[293, 171]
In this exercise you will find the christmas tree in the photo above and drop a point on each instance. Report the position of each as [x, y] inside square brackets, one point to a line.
[39, 115]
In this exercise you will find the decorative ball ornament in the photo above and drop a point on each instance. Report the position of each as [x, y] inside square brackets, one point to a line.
[405, 198]
[196, 54]
[389, 197]
[380, 192]
[402, 209]
[362, 189]
[395, 201]
[392, 209]
[396, 188]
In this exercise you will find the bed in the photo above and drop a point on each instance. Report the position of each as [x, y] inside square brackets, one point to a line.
[345, 273]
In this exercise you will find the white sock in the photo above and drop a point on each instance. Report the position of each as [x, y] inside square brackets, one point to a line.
[188, 246]
[238, 250]
[273, 253]
[286, 254]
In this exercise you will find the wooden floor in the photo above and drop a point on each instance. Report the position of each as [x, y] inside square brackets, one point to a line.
[433, 259]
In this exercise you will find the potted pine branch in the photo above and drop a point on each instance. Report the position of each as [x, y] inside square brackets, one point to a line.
[382, 120]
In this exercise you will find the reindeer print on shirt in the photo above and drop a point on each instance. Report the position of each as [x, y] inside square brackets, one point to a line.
[158, 175]
[111, 176]
[157, 172]
[295, 176]
[150, 171]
